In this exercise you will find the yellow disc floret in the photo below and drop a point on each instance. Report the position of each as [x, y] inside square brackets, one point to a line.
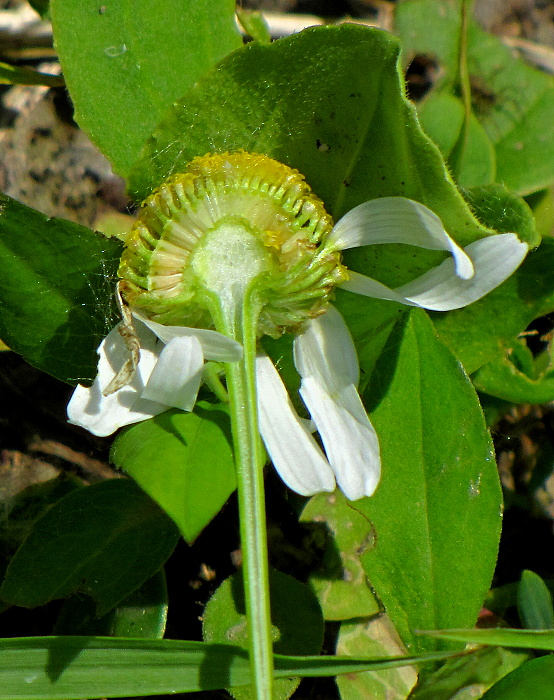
[233, 223]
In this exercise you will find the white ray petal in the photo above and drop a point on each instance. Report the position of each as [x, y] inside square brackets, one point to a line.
[103, 415]
[215, 346]
[325, 357]
[293, 451]
[350, 441]
[325, 350]
[397, 220]
[495, 258]
[176, 378]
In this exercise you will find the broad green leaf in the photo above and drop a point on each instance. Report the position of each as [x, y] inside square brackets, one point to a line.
[505, 637]
[373, 637]
[69, 668]
[309, 101]
[473, 673]
[534, 602]
[340, 581]
[104, 540]
[125, 63]
[512, 100]
[441, 117]
[296, 629]
[20, 510]
[437, 511]
[55, 290]
[142, 614]
[497, 207]
[184, 461]
[517, 377]
[534, 679]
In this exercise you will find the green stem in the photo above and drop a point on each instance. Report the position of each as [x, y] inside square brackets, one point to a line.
[249, 457]
[457, 153]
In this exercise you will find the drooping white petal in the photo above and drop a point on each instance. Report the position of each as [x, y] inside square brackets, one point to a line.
[495, 258]
[325, 350]
[103, 415]
[350, 441]
[325, 357]
[215, 346]
[293, 451]
[397, 220]
[177, 376]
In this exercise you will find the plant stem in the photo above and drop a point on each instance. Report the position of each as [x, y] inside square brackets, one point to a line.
[458, 151]
[249, 458]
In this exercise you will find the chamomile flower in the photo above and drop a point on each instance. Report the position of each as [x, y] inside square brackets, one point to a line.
[241, 236]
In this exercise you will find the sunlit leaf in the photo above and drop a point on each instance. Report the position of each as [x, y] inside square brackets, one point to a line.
[512, 100]
[355, 136]
[125, 63]
[184, 461]
[506, 637]
[69, 668]
[534, 679]
[436, 513]
[375, 637]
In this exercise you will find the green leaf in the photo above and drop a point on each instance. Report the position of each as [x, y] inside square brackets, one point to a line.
[125, 63]
[142, 614]
[55, 290]
[104, 540]
[374, 637]
[184, 461]
[60, 668]
[474, 673]
[484, 331]
[340, 582]
[505, 637]
[308, 101]
[534, 602]
[296, 629]
[512, 100]
[534, 679]
[437, 510]
[442, 117]
[16, 75]
[515, 376]
[495, 206]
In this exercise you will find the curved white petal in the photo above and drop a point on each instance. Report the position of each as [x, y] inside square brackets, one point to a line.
[350, 441]
[325, 350]
[176, 378]
[215, 346]
[495, 258]
[103, 415]
[293, 451]
[397, 220]
[325, 357]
